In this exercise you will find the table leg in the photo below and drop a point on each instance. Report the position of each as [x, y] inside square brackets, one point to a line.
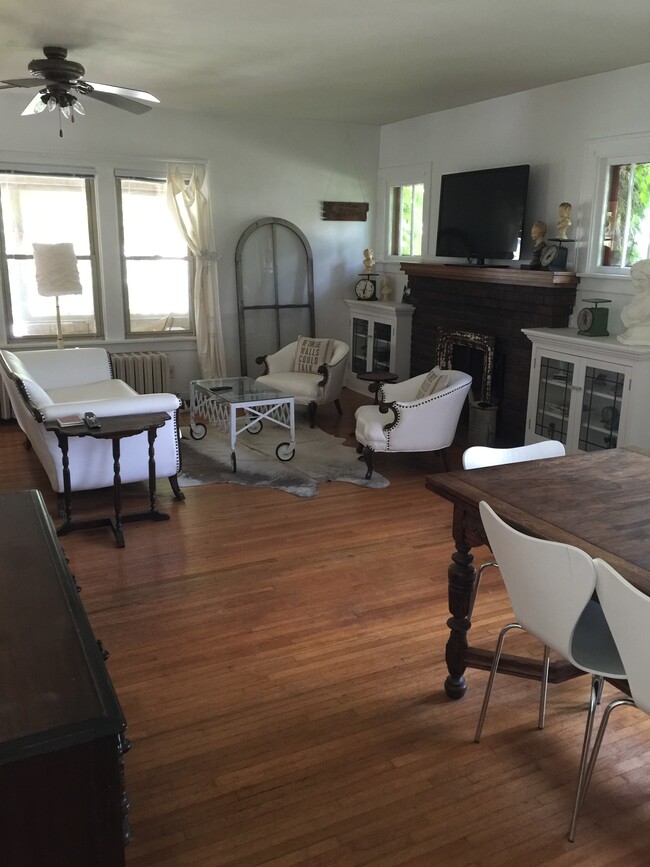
[233, 438]
[117, 493]
[461, 576]
[151, 435]
[67, 487]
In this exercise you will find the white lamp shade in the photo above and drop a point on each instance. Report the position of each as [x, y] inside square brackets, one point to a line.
[56, 270]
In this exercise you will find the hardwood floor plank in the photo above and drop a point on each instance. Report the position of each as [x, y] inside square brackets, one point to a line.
[280, 662]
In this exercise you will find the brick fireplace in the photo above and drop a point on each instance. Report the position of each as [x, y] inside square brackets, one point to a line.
[495, 303]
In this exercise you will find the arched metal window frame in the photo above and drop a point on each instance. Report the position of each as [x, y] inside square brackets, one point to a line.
[276, 306]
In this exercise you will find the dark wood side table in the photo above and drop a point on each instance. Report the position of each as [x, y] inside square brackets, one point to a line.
[377, 378]
[113, 428]
[61, 725]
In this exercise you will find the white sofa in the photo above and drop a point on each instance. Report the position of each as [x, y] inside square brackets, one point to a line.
[50, 383]
[308, 389]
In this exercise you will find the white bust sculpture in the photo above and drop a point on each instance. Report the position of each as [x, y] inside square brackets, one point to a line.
[636, 315]
[368, 259]
[565, 220]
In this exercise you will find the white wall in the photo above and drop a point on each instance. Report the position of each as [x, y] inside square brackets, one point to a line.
[549, 128]
[257, 168]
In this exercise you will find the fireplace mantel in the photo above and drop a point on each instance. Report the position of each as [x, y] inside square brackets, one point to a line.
[504, 276]
[493, 301]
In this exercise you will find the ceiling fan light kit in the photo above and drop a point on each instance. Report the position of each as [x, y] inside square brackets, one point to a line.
[61, 76]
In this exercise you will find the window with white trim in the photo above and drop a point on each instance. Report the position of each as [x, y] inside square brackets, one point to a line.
[403, 211]
[47, 209]
[625, 226]
[156, 261]
[405, 226]
[617, 181]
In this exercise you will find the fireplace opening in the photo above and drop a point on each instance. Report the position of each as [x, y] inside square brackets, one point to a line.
[475, 354]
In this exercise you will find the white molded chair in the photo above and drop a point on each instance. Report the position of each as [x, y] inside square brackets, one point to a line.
[426, 424]
[486, 456]
[551, 586]
[476, 457]
[627, 611]
[308, 389]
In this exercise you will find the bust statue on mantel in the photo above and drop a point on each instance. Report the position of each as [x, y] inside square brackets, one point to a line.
[538, 233]
[564, 221]
[636, 316]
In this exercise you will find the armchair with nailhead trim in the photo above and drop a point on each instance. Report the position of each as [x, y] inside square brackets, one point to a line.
[404, 422]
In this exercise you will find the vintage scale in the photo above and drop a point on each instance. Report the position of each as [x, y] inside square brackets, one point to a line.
[592, 321]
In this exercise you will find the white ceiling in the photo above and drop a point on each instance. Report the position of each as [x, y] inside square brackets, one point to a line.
[366, 61]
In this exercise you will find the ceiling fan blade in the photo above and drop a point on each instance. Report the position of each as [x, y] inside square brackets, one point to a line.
[31, 108]
[22, 82]
[119, 101]
[124, 91]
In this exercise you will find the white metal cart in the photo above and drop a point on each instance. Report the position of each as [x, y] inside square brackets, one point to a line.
[219, 402]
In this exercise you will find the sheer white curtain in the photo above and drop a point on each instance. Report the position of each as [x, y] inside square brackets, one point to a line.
[191, 211]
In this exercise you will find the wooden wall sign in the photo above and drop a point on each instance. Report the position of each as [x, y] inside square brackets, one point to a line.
[345, 211]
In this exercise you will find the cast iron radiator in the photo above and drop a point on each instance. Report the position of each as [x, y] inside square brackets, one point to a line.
[146, 372]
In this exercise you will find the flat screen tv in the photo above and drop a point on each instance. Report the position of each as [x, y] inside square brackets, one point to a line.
[482, 213]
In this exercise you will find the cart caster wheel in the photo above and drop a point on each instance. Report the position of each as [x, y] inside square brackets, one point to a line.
[233, 462]
[255, 428]
[285, 451]
[198, 431]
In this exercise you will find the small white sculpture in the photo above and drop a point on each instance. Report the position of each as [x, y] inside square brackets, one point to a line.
[565, 220]
[368, 259]
[386, 290]
[636, 315]
[537, 233]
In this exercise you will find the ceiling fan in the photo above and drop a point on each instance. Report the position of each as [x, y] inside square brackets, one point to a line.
[63, 79]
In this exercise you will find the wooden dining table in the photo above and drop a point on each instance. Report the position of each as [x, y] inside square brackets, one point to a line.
[597, 501]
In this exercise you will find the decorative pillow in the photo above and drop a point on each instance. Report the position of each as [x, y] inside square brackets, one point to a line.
[434, 381]
[311, 352]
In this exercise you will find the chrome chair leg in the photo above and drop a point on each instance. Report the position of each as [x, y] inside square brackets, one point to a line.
[490, 683]
[479, 575]
[594, 695]
[619, 702]
[546, 664]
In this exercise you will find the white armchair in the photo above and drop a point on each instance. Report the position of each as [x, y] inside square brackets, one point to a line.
[404, 422]
[308, 389]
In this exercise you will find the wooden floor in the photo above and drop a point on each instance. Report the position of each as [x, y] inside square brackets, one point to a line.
[280, 663]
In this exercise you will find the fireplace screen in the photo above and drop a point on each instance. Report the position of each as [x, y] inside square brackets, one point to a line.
[470, 352]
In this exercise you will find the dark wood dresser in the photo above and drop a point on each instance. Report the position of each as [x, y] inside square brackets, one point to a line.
[61, 725]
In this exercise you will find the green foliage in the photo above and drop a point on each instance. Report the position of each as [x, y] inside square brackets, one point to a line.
[628, 226]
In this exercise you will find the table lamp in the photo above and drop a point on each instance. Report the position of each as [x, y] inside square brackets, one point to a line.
[56, 274]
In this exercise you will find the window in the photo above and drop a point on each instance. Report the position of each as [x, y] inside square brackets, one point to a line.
[406, 209]
[155, 261]
[47, 209]
[616, 196]
[403, 218]
[625, 228]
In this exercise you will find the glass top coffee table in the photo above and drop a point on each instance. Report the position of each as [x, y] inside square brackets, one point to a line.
[239, 404]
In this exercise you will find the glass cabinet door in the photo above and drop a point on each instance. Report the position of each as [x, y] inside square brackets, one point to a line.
[381, 343]
[359, 345]
[601, 409]
[554, 398]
